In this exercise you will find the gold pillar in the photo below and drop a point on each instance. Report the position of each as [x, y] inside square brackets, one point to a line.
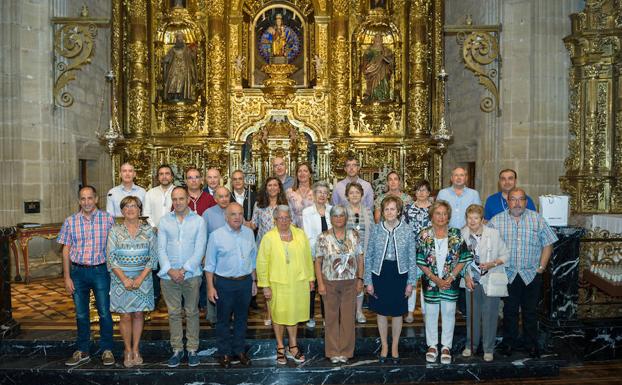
[138, 85]
[419, 74]
[115, 61]
[593, 165]
[217, 66]
[340, 71]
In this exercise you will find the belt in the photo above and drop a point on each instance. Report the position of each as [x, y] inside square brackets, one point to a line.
[240, 278]
[87, 266]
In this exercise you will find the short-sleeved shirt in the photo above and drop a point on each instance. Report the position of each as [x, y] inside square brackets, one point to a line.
[339, 258]
[496, 204]
[459, 204]
[86, 237]
[116, 195]
[525, 241]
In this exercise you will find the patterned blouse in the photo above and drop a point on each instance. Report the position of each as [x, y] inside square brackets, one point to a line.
[263, 219]
[406, 199]
[417, 217]
[339, 257]
[297, 203]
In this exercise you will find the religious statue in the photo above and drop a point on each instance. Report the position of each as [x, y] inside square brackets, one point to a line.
[377, 4]
[377, 68]
[279, 43]
[179, 72]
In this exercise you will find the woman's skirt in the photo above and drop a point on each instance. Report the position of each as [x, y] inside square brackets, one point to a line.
[389, 287]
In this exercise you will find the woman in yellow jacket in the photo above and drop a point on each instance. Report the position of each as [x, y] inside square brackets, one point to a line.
[285, 271]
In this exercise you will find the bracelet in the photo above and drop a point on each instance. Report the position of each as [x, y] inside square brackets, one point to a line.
[451, 274]
[540, 267]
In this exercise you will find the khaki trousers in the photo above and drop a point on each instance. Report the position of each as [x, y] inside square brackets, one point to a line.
[340, 308]
[173, 293]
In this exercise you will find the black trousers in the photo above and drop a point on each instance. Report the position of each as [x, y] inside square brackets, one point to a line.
[525, 297]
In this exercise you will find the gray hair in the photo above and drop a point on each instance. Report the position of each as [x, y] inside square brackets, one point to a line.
[281, 209]
[337, 210]
[320, 184]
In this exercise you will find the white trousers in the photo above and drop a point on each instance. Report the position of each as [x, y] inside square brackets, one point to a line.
[412, 301]
[448, 321]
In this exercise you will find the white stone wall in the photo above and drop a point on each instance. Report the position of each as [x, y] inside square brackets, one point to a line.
[42, 143]
[531, 134]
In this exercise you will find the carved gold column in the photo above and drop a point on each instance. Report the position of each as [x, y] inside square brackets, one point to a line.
[138, 92]
[594, 165]
[419, 77]
[340, 69]
[217, 69]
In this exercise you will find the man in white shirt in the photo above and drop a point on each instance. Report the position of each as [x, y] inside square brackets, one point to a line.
[125, 189]
[241, 195]
[158, 199]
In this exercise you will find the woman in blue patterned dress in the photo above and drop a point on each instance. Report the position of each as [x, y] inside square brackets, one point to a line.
[416, 214]
[131, 252]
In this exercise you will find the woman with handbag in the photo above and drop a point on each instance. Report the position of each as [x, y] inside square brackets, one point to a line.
[485, 281]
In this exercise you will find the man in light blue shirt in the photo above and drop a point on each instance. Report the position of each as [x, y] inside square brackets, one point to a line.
[352, 169]
[181, 245]
[459, 197]
[230, 271]
[125, 189]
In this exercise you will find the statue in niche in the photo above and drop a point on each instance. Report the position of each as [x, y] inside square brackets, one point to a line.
[179, 72]
[279, 43]
[178, 3]
[377, 68]
[377, 4]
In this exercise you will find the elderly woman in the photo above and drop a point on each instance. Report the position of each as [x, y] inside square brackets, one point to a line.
[390, 273]
[132, 254]
[360, 219]
[441, 255]
[300, 195]
[285, 271]
[486, 282]
[314, 222]
[339, 272]
[416, 214]
[393, 188]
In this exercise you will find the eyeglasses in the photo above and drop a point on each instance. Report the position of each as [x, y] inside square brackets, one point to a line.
[131, 206]
[321, 192]
[193, 177]
[283, 219]
[517, 199]
[356, 218]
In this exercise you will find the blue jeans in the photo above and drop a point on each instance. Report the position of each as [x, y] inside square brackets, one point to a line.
[98, 280]
[234, 297]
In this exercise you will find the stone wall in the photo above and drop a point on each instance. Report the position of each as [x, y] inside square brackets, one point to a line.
[41, 143]
[531, 133]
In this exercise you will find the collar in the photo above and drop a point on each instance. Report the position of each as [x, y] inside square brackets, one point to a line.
[230, 229]
[395, 228]
[93, 214]
[131, 188]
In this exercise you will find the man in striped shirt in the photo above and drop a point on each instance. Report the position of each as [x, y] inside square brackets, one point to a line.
[530, 241]
[84, 236]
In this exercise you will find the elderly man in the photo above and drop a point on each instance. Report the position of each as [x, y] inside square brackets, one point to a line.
[83, 237]
[125, 189]
[459, 197]
[212, 180]
[230, 270]
[352, 169]
[199, 200]
[498, 202]
[242, 195]
[279, 170]
[181, 245]
[530, 241]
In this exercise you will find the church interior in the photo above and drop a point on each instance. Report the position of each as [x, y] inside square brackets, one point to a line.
[418, 87]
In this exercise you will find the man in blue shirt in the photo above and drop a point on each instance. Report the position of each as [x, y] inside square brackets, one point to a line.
[181, 245]
[498, 202]
[230, 260]
[125, 189]
[459, 197]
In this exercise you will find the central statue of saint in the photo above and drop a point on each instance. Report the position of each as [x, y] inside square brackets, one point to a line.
[377, 67]
[179, 72]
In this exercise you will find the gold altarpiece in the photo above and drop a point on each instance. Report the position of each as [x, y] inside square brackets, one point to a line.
[364, 81]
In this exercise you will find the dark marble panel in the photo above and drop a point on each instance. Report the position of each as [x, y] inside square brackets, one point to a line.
[8, 326]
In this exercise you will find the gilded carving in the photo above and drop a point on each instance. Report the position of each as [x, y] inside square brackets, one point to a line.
[217, 92]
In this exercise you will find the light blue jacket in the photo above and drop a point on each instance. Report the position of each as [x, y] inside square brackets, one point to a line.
[405, 251]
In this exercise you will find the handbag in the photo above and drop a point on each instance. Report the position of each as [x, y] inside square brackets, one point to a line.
[496, 284]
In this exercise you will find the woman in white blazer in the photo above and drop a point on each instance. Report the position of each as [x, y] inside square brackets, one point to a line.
[315, 220]
[485, 281]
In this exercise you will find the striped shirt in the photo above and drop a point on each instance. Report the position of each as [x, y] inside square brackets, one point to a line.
[525, 239]
[86, 237]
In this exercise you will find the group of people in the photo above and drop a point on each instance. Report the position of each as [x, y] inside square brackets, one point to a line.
[292, 239]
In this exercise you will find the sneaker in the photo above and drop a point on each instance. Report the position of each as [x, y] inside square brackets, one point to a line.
[107, 358]
[175, 359]
[360, 318]
[193, 358]
[311, 323]
[488, 357]
[466, 352]
[78, 357]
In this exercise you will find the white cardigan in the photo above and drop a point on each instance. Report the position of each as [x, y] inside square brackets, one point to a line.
[491, 247]
[312, 224]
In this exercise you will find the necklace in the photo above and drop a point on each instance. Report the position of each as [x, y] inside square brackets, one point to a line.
[339, 241]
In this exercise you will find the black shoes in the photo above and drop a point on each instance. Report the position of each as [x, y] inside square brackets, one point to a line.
[225, 361]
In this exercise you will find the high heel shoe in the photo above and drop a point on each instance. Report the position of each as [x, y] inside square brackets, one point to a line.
[128, 359]
[138, 359]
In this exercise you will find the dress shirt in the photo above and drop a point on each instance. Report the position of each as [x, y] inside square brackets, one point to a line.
[246, 200]
[157, 203]
[214, 218]
[459, 204]
[339, 193]
[525, 240]
[181, 244]
[86, 237]
[116, 195]
[231, 253]
[238, 198]
[496, 204]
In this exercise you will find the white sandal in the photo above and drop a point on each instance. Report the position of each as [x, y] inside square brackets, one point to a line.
[431, 354]
[445, 355]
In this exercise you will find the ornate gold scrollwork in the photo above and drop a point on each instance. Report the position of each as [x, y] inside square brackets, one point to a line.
[73, 45]
[480, 48]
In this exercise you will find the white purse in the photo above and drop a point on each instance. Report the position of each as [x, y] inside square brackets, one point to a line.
[496, 284]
